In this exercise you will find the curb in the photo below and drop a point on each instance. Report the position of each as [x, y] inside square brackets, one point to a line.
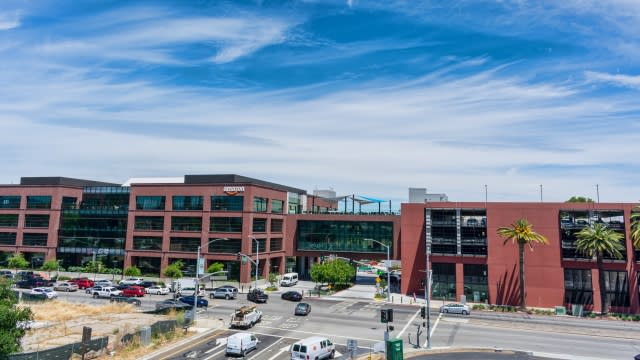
[165, 349]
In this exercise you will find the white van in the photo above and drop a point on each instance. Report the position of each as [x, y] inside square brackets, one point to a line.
[289, 279]
[241, 343]
[313, 348]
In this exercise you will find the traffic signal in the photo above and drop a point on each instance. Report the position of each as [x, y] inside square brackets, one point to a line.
[389, 315]
[423, 312]
[383, 316]
[239, 256]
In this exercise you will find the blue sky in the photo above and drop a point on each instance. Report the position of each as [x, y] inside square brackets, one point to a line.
[365, 97]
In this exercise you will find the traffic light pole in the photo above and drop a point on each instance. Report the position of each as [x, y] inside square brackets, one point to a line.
[427, 296]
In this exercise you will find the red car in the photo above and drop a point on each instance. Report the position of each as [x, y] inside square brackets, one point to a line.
[83, 283]
[131, 291]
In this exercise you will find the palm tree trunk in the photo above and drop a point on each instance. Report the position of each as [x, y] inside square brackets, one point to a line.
[523, 303]
[603, 289]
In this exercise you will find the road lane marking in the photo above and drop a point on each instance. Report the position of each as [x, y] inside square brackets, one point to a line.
[407, 325]
[286, 348]
[265, 349]
[313, 333]
[215, 354]
[219, 342]
[435, 325]
[191, 345]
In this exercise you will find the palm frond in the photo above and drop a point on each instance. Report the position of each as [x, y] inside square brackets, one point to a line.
[599, 240]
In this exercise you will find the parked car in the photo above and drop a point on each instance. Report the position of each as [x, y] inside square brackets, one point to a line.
[291, 296]
[82, 283]
[223, 293]
[302, 309]
[148, 283]
[33, 282]
[65, 286]
[157, 290]
[201, 302]
[103, 282]
[455, 309]
[121, 286]
[132, 281]
[257, 295]
[133, 291]
[125, 299]
[6, 274]
[169, 304]
[50, 294]
[241, 343]
[105, 291]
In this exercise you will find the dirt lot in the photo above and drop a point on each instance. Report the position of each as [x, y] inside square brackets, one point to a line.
[59, 323]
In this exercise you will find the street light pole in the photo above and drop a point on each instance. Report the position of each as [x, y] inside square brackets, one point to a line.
[257, 259]
[427, 296]
[197, 287]
[388, 268]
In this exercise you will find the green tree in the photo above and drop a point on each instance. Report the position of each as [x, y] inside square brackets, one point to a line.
[174, 271]
[49, 266]
[95, 267]
[132, 271]
[12, 316]
[17, 261]
[339, 272]
[273, 279]
[579, 199]
[319, 273]
[598, 240]
[635, 228]
[521, 232]
[215, 267]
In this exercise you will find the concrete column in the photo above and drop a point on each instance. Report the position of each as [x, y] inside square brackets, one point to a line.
[459, 281]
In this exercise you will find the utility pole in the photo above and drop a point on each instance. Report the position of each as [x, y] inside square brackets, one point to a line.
[427, 295]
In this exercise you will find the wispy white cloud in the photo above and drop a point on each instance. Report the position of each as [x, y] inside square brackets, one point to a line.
[629, 81]
[9, 21]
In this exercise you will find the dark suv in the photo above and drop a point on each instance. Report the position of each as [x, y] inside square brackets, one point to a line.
[257, 295]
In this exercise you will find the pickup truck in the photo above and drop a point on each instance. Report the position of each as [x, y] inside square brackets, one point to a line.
[245, 317]
[257, 295]
[105, 292]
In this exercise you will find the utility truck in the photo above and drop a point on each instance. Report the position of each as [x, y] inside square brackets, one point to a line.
[245, 317]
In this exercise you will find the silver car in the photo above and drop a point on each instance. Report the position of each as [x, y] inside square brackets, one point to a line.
[455, 309]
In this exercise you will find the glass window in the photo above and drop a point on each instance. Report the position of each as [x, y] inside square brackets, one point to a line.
[444, 232]
[186, 203]
[39, 202]
[9, 202]
[276, 225]
[149, 223]
[32, 239]
[476, 283]
[444, 281]
[8, 238]
[260, 204]
[259, 225]
[184, 244]
[230, 246]
[277, 206]
[150, 202]
[36, 221]
[147, 243]
[345, 236]
[617, 288]
[571, 222]
[186, 223]
[9, 220]
[275, 244]
[149, 266]
[69, 202]
[227, 203]
[225, 224]
[577, 287]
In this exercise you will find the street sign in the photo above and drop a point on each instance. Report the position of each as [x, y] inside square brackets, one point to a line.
[200, 267]
[244, 259]
[378, 279]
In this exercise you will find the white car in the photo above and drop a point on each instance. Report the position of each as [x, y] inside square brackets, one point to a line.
[132, 281]
[241, 343]
[50, 294]
[103, 282]
[157, 290]
[455, 309]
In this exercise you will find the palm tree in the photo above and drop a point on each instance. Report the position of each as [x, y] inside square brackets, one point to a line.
[635, 228]
[597, 239]
[521, 232]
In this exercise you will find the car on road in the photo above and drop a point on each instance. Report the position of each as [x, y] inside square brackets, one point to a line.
[82, 283]
[223, 293]
[241, 343]
[157, 290]
[65, 286]
[245, 317]
[455, 309]
[201, 302]
[313, 348]
[169, 304]
[291, 296]
[302, 309]
[257, 295]
[49, 293]
[125, 299]
[133, 291]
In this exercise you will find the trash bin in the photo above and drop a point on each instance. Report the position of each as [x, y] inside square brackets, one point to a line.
[561, 310]
[394, 349]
